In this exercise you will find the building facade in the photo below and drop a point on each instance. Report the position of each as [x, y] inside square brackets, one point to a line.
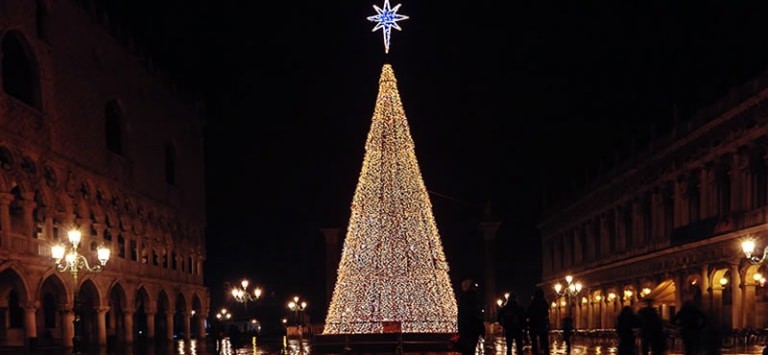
[91, 139]
[667, 225]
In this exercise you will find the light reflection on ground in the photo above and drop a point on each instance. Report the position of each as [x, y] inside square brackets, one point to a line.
[259, 346]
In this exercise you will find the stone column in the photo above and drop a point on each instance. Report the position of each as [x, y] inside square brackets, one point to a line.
[577, 313]
[150, 324]
[590, 313]
[169, 325]
[679, 280]
[201, 325]
[30, 323]
[706, 290]
[5, 219]
[101, 325]
[67, 325]
[187, 325]
[128, 325]
[748, 303]
[332, 255]
[489, 229]
[736, 297]
[603, 307]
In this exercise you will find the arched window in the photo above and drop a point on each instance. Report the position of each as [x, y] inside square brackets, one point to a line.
[19, 73]
[120, 246]
[170, 164]
[113, 117]
[173, 260]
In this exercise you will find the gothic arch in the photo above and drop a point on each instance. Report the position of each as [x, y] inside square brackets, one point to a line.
[54, 280]
[142, 296]
[18, 275]
[117, 289]
[91, 291]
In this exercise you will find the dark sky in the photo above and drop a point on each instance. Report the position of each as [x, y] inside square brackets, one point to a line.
[508, 102]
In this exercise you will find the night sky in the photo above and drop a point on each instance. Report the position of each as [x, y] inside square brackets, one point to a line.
[510, 104]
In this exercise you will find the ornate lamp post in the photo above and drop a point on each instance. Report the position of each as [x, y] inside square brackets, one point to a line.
[297, 306]
[72, 261]
[570, 291]
[243, 295]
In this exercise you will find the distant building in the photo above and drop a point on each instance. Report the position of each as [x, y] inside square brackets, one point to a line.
[667, 224]
[91, 139]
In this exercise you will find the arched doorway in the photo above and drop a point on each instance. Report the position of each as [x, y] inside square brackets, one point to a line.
[163, 318]
[116, 322]
[180, 320]
[86, 317]
[13, 298]
[50, 317]
[141, 318]
[198, 318]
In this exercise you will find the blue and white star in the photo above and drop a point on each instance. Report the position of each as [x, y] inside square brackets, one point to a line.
[386, 18]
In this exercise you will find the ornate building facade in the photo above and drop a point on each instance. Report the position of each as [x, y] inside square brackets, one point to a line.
[91, 139]
[667, 225]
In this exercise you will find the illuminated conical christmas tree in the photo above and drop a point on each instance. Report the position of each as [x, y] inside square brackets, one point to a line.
[393, 268]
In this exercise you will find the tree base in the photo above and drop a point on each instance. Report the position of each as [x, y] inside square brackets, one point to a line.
[395, 343]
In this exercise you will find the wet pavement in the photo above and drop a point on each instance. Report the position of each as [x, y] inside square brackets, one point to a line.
[257, 346]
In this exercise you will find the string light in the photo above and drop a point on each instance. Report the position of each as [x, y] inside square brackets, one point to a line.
[392, 267]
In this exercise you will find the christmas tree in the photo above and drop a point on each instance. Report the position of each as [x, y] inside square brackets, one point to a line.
[393, 269]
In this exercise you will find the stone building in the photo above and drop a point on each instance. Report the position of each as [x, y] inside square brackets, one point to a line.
[92, 139]
[667, 224]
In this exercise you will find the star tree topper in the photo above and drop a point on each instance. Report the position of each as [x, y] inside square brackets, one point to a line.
[386, 18]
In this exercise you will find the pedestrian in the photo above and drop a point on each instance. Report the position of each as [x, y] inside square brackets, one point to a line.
[538, 322]
[651, 330]
[625, 330]
[691, 321]
[470, 317]
[512, 318]
[567, 332]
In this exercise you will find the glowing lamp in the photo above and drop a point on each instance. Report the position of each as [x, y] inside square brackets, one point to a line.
[103, 254]
[74, 237]
[57, 251]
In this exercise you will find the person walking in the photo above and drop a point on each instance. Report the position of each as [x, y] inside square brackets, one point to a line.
[538, 322]
[651, 330]
[470, 318]
[567, 332]
[691, 321]
[625, 330]
[512, 318]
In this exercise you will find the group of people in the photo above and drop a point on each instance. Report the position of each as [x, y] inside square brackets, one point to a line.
[517, 319]
[513, 317]
[690, 320]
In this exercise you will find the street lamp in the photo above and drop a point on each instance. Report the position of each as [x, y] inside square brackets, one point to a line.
[223, 315]
[297, 306]
[748, 246]
[74, 262]
[570, 290]
[243, 295]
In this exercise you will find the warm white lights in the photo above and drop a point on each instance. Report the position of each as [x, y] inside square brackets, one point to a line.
[392, 267]
[242, 295]
[748, 246]
[723, 281]
[646, 291]
[71, 260]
